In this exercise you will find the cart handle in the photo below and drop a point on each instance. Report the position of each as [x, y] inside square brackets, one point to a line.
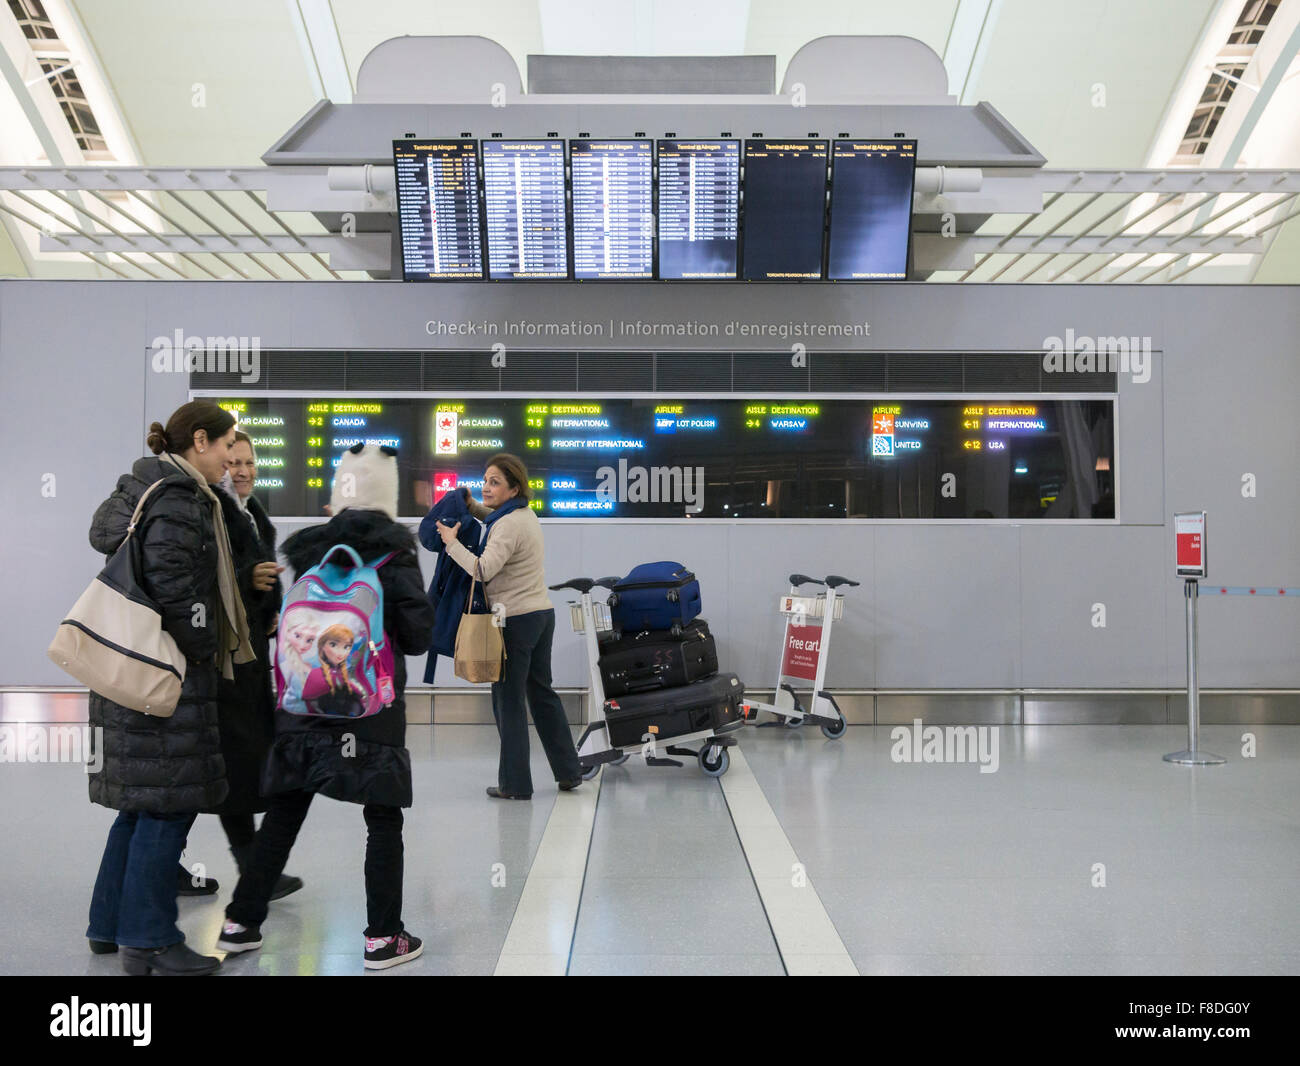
[803, 579]
[835, 581]
[578, 584]
[586, 584]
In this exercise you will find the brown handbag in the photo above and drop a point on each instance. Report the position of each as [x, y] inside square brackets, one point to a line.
[480, 648]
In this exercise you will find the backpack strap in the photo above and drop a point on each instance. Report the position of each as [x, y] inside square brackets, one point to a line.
[381, 560]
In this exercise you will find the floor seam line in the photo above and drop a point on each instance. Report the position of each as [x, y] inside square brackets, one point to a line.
[586, 864]
[754, 878]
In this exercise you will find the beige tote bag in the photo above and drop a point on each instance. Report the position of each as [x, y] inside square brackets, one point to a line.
[479, 645]
[113, 641]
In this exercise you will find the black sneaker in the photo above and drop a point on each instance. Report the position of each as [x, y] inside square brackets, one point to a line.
[383, 952]
[285, 886]
[569, 786]
[189, 885]
[103, 947]
[496, 793]
[236, 938]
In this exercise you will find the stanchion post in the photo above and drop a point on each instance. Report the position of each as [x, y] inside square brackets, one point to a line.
[1193, 756]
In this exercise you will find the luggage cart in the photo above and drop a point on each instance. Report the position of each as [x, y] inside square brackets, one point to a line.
[804, 650]
[592, 618]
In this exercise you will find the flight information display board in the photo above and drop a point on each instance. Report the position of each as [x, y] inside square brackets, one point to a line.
[699, 208]
[871, 209]
[613, 209]
[438, 209]
[785, 209]
[713, 457]
[523, 188]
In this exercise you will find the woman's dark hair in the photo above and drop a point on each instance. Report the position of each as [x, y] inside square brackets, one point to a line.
[178, 435]
[515, 472]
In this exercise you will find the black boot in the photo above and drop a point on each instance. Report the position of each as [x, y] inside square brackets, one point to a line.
[175, 960]
[189, 885]
[284, 886]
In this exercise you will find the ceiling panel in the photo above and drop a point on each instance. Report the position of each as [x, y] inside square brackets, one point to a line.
[244, 53]
[1046, 59]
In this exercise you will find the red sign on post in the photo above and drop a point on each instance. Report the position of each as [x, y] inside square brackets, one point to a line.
[803, 646]
[1189, 543]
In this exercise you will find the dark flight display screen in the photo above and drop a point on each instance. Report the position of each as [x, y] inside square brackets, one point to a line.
[523, 187]
[871, 209]
[699, 208]
[438, 208]
[785, 209]
[707, 456]
[613, 209]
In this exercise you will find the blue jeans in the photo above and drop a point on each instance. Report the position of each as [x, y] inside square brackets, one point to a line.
[134, 902]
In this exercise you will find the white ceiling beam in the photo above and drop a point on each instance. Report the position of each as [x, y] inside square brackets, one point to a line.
[322, 49]
[969, 39]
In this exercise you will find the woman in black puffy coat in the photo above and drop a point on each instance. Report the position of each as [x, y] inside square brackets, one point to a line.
[159, 772]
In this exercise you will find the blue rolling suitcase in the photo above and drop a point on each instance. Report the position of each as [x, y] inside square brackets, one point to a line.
[662, 595]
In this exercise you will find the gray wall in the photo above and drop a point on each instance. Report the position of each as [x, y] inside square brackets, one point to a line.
[942, 605]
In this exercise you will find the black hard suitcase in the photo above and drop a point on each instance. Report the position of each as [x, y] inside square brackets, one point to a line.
[654, 658]
[712, 704]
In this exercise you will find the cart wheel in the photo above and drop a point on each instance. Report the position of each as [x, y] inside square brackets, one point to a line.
[717, 767]
[621, 759]
[834, 732]
[794, 721]
[588, 772]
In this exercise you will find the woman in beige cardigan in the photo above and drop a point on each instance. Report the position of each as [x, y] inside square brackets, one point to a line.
[511, 567]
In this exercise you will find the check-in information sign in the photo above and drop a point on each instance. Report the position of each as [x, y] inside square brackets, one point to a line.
[1189, 543]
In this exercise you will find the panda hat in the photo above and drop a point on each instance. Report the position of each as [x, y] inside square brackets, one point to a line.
[366, 480]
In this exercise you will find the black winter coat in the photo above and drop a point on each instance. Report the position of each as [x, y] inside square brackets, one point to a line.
[316, 754]
[165, 765]
[246, 705]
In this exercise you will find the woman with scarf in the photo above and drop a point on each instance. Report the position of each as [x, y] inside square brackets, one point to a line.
[246, 704]
[158, 773]
[511, 566]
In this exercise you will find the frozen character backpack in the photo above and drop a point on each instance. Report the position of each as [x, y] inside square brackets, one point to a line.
[331, 657]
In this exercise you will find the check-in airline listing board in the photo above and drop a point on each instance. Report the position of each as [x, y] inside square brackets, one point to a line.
[705, 457]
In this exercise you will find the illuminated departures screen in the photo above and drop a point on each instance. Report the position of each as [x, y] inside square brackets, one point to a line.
[699, 208]
[523, 190]
[613, 209]
[871, 209]
[438, 206]
[708, 457]
[785, 205]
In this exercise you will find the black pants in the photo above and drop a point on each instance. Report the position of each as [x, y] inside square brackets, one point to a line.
[279, 829]
[239, 829]
[527, 676]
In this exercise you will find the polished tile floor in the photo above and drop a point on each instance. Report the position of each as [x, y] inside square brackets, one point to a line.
[1082, 854]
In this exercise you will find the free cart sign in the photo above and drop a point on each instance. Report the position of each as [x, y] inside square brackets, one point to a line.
[803, 646]
[1189, 543]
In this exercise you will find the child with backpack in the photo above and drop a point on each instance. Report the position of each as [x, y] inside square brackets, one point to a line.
[356, 608]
